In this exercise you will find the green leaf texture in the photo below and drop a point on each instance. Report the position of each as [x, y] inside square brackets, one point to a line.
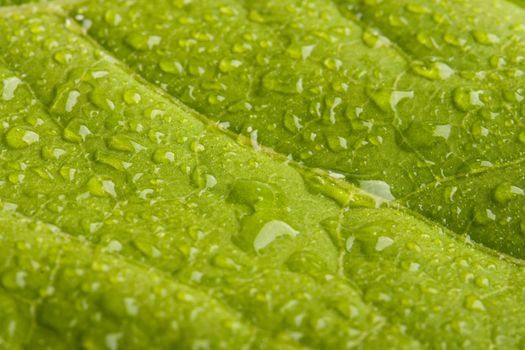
[262, 175]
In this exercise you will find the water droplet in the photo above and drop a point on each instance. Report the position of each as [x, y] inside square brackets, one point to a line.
[505, 192]
[163, 156]
[19, 137]
[292, 122]
[121, 143]
[426, 40]
[333, 63]
[101, 187]
[170, 66]
[76, 131]
[466, 99]
[227, 65]
[454, 40]
[146, 248]
[63, 57]
[138, 41]
[49, 152]
[483, 216]
[196, 146]
[436, 71]
[374, 40]
[132, 97]
[107, 159]
[474, 304]
[283, 83]
[270, 231]
[482, 282]
[379, 189]
[485, 38]
[253, 193]
[224, 262]
[337, 143]
[397, 96]
[112, 18]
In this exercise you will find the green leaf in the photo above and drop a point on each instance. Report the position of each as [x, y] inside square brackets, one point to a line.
[259, 218]
[433, 114]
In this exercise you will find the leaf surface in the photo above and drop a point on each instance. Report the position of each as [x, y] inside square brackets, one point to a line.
[130, 220]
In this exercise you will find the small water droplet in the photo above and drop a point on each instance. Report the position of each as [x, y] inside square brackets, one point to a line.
[101, 187]
[454, 40]
[374, 40]
[483, 216]
[163, 156]
[485, 38]
[332, 63]
[474, 304]
[63, 57]
[170, 66]
[271, 231]
[138, 41]
[505, 192]
[121, 143]
[132, 97]
[282, 83]
[466, 99]
[76, 131]
[20, 137]
[227, 65]
[436, 71]
[337, 143]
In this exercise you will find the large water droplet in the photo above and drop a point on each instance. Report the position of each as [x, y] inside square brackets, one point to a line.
[378, 188]
[271, 231]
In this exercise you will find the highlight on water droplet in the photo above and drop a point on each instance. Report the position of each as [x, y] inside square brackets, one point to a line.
[379, 189]
[10, 85]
